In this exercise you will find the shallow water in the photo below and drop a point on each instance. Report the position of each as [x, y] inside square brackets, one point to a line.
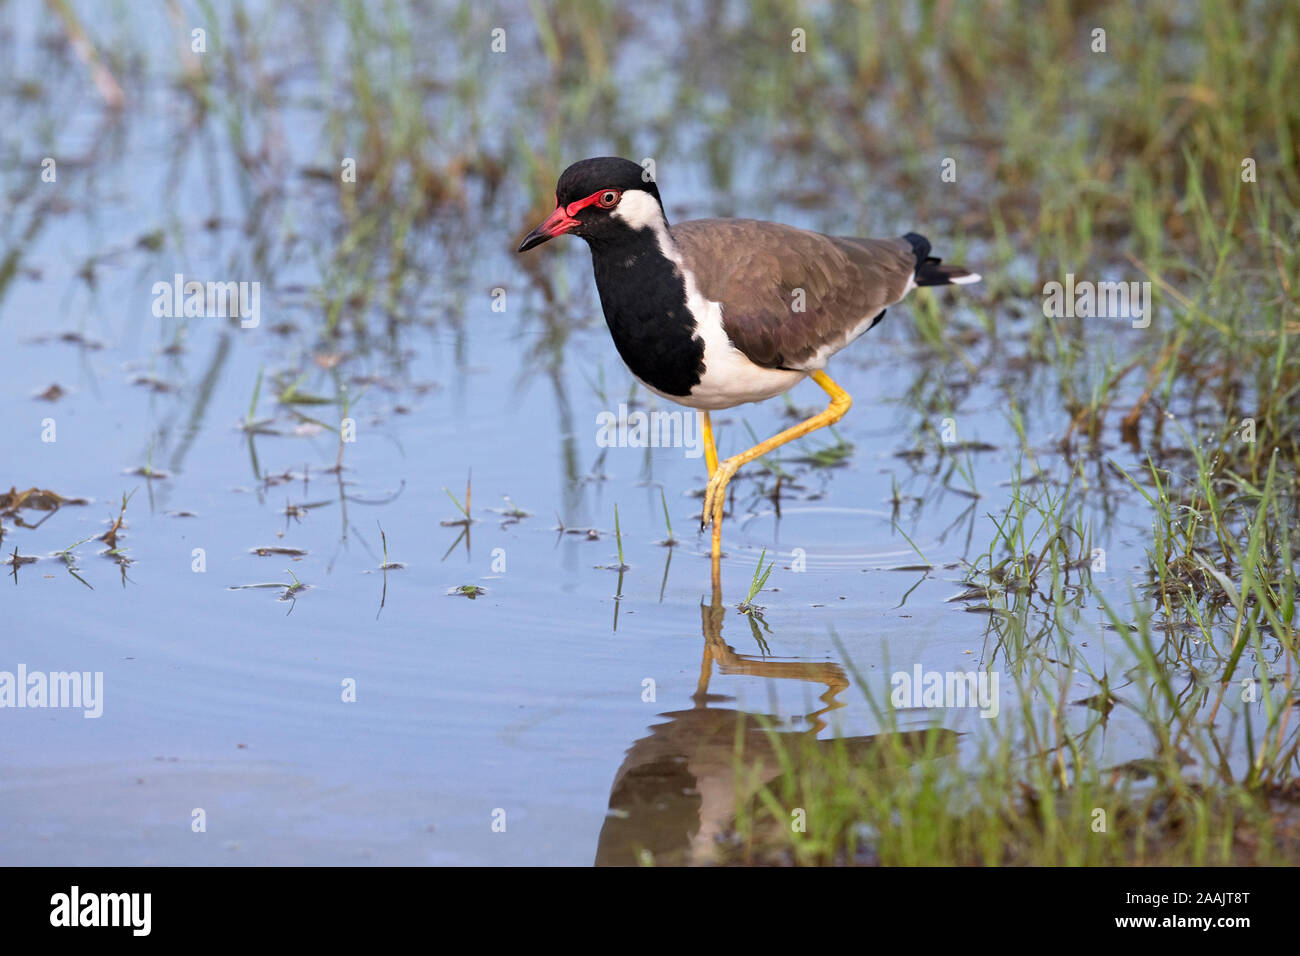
[526, 705]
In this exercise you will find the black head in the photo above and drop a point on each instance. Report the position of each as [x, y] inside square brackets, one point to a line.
[599, 199]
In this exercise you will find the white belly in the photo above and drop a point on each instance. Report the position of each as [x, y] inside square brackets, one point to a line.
[732, 380]
[729, 377]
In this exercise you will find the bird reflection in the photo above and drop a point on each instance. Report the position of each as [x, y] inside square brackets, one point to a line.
[676, 793]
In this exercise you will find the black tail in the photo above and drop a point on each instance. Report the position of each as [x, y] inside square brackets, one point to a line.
[928, 269]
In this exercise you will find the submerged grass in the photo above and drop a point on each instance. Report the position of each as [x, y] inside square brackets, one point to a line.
[1209, 649]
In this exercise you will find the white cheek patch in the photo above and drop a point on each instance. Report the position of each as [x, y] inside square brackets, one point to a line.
[639, 210]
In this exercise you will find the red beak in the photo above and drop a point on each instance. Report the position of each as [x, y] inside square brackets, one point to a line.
[556, 224]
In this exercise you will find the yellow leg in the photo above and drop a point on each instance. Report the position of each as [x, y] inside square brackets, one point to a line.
[715, 494]
[710, 449]
[711, 460]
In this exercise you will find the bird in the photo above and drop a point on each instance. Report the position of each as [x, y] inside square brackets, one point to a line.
[715, 313]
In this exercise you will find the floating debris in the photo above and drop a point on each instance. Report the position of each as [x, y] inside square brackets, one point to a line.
[37, 499]
[291, 590]
[147, 471]
[51, 394]
[155, 384]
[69, 338]
[109, 537]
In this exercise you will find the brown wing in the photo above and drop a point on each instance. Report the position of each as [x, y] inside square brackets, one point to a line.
[755, 269]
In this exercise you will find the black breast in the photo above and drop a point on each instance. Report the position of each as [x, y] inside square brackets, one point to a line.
[643, 296]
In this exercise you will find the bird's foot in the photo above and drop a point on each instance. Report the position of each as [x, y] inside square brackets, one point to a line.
[715, 495]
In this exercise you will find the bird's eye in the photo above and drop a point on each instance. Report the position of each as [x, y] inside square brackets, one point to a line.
[609, 198]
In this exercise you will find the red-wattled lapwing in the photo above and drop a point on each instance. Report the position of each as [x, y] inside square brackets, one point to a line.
[718, 312]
